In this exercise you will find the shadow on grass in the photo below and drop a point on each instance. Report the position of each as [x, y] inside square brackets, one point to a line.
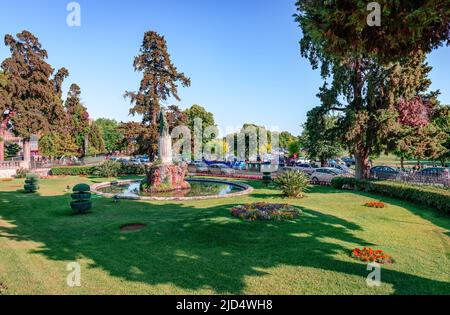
[192, 248]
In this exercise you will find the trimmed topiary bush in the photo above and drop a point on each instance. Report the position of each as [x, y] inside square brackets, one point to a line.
[81, 199]
[292, 183]
[31, 183]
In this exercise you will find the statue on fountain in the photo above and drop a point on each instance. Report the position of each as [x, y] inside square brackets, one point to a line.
[164, 175]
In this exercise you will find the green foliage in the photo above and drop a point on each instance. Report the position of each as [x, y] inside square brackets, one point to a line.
[294, 148]
[81, 188]
[21, 172]
[132, 169]
[111, 134]
[286, 138]
[292, 183]
[12, 149]
[339, 182]
[56, 144]
[31, 96]
[72, 170]
[82, 199]
[108, 169]
[207, 119]
[31, 183]
[160, 81]
[96, 143]
[365, 79]
[442, 122]
[340, 28]
[319, 136]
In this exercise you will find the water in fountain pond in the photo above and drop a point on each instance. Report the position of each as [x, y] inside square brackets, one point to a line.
[198, 188]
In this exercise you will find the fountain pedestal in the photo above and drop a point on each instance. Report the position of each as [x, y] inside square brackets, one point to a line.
[165, 175]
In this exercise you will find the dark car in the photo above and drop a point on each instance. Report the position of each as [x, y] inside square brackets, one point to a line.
[348, 161]
[384, 172]
[434, 173]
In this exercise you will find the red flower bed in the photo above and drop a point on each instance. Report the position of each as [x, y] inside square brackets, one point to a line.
[372, 255]
[376, 204]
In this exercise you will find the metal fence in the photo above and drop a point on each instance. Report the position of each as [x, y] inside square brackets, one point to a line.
[38, 163]
[438, 179]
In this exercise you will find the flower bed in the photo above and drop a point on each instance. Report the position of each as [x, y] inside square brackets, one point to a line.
[372, 255]
[262, 211]
[375, 204]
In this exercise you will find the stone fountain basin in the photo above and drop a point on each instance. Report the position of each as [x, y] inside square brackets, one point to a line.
[246, 189]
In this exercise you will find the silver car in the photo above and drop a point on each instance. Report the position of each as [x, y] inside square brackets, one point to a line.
[219, 169]
[198, 167]
[326, 174]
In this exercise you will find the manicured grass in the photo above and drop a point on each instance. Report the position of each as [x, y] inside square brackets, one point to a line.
[199, 248]
[394, 161]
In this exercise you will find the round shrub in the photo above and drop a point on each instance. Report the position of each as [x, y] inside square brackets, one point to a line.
[81, 188]
[31, 183]
[292, 183]
[81, 199]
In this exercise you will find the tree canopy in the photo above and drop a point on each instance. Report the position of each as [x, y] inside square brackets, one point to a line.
[368, 70]
[160, 81]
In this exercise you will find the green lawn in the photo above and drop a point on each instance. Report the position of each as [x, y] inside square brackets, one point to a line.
[198, 248]
[392, 160]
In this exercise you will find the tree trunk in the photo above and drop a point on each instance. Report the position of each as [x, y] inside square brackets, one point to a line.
[362, 165]
[402, 163]
[26, 152]
[2, 149]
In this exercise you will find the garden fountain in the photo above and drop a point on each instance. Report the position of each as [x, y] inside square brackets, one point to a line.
[166, 180]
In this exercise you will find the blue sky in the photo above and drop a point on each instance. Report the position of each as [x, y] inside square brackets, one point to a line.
[241, 55]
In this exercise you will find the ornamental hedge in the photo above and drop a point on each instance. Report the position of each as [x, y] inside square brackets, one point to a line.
[106, 169]
[431, 196]
[72, 170]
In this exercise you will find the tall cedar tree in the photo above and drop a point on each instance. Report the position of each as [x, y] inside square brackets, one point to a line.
[359, 59]
[33, 106]
[4, 100]
[159, 82]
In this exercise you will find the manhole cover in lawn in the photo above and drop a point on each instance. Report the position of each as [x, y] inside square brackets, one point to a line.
[132, 227]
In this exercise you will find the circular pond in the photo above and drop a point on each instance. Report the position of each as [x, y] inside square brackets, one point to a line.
[200, 189]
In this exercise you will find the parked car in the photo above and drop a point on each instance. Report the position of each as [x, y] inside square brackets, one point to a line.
[305, 168]
[239, 165]
[348, 161]
[303, 160]
[434, 173]
[384, 172]
[343, 168]
[220, 169]
[326, 174]
[198, 167]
